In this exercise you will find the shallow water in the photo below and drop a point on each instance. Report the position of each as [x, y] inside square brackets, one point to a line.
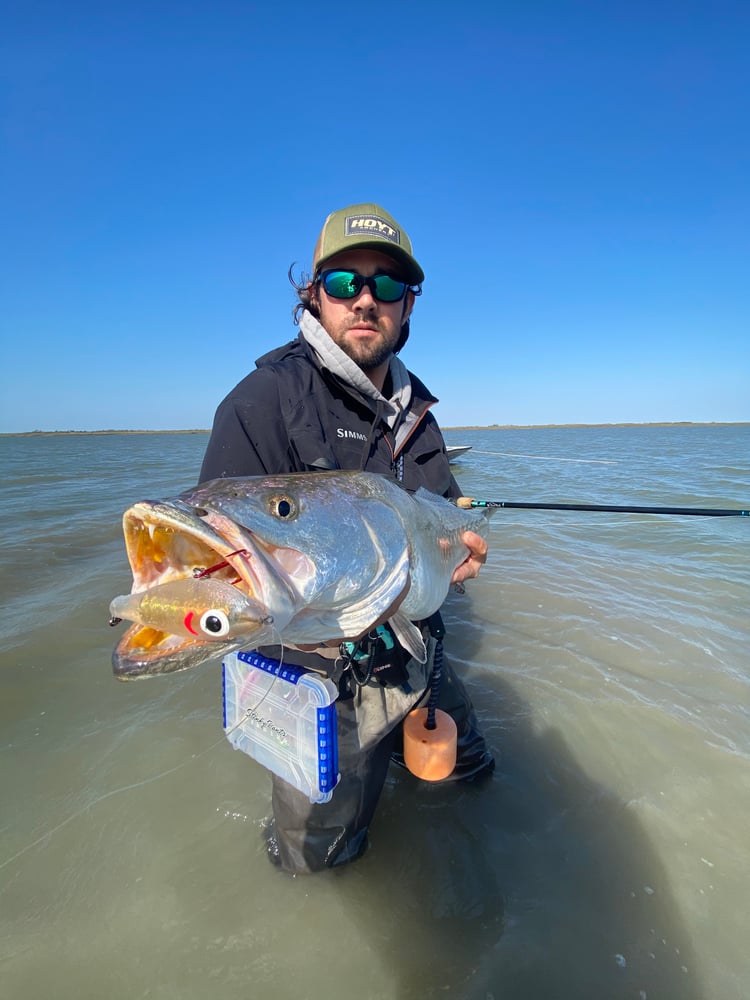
[607, 657]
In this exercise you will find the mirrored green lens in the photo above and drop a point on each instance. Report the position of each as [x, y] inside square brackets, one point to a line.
[347, 284]
[387, 289]
[341, 284]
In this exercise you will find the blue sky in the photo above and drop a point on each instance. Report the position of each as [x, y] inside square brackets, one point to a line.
[574, 177]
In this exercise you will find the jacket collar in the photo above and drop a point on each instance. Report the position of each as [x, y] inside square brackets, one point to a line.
[330, 356]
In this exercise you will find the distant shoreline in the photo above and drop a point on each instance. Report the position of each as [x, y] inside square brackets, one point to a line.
[466, 427]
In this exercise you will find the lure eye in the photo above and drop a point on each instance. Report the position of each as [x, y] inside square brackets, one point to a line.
[282, 506]
[215, 623]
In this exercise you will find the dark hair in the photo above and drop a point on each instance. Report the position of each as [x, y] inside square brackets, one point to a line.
[304, 287]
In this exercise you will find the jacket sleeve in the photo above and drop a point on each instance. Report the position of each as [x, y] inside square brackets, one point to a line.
[439, 465]
[248, 436]
[455, 490]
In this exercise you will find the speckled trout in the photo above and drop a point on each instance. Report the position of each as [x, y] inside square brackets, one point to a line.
[297, 559]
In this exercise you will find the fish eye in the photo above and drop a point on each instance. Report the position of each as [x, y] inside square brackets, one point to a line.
[282, 506]
[214, 623]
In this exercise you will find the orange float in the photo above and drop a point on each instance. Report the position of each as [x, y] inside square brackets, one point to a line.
[430, 754]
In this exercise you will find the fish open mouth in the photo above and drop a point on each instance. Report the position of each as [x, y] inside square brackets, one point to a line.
[166, 543]
[172, 542]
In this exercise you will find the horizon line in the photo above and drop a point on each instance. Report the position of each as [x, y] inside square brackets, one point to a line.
[456, 427]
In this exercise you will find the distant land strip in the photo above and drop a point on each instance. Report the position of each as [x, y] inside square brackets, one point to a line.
[463, 427]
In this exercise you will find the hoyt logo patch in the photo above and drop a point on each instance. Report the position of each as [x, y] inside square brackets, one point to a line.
[372, 225]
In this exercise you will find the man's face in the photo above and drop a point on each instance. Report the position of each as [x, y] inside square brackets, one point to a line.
[364, 328]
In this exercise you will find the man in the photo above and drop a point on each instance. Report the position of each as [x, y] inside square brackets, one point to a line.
[338, 397]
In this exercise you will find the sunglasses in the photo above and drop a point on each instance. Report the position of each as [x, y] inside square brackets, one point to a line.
[348, 284]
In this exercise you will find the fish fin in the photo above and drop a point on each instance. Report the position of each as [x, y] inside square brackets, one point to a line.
[409, 636]
[360, 615]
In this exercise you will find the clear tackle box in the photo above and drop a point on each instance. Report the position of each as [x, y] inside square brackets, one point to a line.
[284, 717]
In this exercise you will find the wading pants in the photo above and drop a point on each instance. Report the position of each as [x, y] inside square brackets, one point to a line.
[308, 837]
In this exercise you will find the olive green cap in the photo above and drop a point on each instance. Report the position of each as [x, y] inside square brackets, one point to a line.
[366, 227]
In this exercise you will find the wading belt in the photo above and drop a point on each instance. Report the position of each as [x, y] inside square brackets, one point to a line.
[378, 656]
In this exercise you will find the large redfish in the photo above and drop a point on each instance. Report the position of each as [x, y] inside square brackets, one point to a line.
[293, 559]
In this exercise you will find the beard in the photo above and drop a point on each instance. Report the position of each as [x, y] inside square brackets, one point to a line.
[368, 356]
[371, 354]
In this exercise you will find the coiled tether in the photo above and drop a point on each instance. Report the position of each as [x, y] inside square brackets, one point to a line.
[430, 735]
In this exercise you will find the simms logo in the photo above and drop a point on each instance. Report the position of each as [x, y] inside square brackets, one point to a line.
[372, 225]
[343, 433]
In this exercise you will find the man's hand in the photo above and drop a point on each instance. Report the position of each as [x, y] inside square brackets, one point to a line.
[476, 558]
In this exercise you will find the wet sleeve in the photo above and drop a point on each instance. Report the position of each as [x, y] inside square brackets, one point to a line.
[248, 437]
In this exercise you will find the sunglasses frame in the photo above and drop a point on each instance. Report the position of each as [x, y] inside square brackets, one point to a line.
[361, 281]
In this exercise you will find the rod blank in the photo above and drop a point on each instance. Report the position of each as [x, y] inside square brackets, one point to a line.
[468, 502]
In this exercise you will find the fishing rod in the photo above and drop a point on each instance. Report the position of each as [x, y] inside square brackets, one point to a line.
[469, 502]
